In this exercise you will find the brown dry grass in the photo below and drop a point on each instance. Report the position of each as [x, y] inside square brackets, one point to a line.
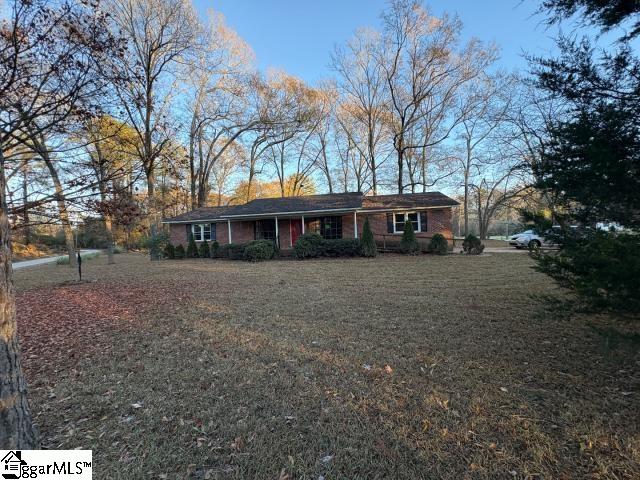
[395, 367]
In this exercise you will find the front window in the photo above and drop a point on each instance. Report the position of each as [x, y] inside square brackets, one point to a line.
[330, 228]
[266, 229]
[201, 231]
[400, 218]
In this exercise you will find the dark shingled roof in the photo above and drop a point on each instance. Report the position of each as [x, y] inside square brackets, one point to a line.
[408, 200]
[307, 203]
[205, 213]
[311, 203]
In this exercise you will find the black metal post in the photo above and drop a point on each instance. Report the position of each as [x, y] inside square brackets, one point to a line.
[79, 265]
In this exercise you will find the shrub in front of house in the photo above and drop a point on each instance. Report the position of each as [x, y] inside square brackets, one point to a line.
[408, 243]
[232, 251]
[204, 251]
[192, 248]
[343, 247]
[169, 251]
[438, 244]
[368, 246]
[308, 245]
[215, 248]
[179, 252]
[472, 245]
[259, 250]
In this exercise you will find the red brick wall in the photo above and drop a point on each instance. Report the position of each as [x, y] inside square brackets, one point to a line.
[178, 234]
[438, 221]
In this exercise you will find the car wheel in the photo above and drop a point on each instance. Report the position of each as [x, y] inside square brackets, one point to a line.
[534, 245]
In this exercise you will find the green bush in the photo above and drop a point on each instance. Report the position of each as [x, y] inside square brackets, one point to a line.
[408, 243]
[259, 250]
[215, 248]
[232, 251]
[309, 245]
[192, 248]
[344, 247]
[117, 249]
[472, 245]
[203, 250]
[169, 251]
[179, 252]
[438, 244]
[368, 246]
[601, 267]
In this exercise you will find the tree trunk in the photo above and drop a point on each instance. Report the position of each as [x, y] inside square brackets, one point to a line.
[25, 200]
[400, 170]
[62, 209]
[16, 426]
[108, 226]
[465, 204]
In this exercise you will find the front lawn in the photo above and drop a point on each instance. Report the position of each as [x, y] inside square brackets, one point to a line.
[394, 367]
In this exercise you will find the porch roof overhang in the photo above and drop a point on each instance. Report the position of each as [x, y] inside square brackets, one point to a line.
[307, 213]
[286, 214]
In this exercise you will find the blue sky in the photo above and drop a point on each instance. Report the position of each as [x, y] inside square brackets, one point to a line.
[298, 36]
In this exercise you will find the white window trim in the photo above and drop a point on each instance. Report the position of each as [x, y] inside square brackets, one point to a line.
[201, 231]
[406, 215]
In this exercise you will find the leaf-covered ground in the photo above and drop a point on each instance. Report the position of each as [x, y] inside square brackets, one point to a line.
[395, 367]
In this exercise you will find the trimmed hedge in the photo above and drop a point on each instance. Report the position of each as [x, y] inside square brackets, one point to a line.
[438, 244]
[179, 252]
[344, 247]
[259, 250]
[215, 247]
[308, 245]
[232, 251]
[312, 245]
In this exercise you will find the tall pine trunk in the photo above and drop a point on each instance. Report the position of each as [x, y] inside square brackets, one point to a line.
[16, 426]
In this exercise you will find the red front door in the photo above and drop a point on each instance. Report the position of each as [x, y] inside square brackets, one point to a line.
[296, 229]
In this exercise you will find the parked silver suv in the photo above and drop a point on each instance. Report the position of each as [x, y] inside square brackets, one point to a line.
[527, 239]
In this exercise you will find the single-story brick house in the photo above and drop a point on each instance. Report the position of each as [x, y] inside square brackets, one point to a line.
[337, 215]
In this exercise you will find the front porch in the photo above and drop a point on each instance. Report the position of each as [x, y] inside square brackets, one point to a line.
[285, 230]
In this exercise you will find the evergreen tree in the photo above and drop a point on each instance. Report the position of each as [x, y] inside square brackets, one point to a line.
[409, 244]
[192, 248]
[204, 251]
[368, 246]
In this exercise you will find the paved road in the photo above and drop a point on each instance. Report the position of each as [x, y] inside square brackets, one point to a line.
[43, 261]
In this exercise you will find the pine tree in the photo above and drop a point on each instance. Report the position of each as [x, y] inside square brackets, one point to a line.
[409, 244]
[368, 246]
[192, 248]
[204, 252]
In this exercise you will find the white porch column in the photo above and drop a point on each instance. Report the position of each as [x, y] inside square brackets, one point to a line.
[303, 224]
[355, 224]
[277, 236]
[229, 227]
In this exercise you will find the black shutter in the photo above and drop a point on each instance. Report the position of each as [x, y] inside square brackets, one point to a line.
[213, 232]
[188, 225]
[423, 221]
[389, 222]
